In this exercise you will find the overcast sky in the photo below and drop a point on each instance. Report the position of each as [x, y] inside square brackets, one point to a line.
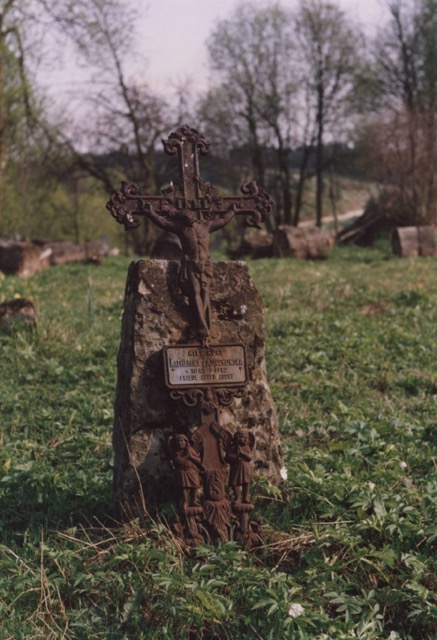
[172, 35]
[175, 32]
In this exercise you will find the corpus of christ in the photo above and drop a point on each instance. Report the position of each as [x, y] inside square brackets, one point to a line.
[194, 417]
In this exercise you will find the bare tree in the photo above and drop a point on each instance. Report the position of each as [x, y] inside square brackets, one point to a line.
[118, 134]
[328, 45]
[251, 54]
[406, 67]
[285, 79]
[17, 108]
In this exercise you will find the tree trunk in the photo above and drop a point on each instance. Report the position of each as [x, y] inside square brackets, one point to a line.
[285, 182]
[301, 183]
[320, 126]
[332, 195]
[319, 161]
[257, 158]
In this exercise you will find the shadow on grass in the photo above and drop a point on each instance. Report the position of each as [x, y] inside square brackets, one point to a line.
[35, 501]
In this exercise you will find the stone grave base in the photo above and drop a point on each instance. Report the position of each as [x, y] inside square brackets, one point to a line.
[157, 315]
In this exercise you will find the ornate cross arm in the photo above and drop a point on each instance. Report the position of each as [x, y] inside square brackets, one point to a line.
[127, 204]
[189, 192]
[256, 204]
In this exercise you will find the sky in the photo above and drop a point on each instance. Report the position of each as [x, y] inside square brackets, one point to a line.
[172, 36]
[175, 32]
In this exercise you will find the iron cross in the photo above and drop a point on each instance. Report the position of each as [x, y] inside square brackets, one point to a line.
[189, 192]
[192, 209]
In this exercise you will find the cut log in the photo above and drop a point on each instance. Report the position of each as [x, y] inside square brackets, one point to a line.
[427, 241]
[408, 242]
[305, 243]
[21, 258]
[63, 252]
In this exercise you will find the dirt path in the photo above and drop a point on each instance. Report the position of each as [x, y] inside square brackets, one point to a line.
[341, 217]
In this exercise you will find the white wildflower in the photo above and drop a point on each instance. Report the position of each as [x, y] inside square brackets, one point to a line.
[371, 485]
[243, 309]
[295, 610]
[403, 465]
[283, 473]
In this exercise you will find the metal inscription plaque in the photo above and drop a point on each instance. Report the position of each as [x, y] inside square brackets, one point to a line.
[221, 365]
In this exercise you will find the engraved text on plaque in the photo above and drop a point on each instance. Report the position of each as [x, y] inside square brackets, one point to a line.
[192, 365]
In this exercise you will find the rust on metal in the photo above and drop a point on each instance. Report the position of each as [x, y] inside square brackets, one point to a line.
[192, 209]
[211, 464]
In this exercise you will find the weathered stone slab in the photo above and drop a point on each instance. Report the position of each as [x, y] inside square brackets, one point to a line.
[156, 315]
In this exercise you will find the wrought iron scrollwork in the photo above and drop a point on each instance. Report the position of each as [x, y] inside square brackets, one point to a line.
[118, 205]
[216, 464]
[186, 133]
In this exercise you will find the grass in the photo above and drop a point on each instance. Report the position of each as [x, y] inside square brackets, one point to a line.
[352, 347]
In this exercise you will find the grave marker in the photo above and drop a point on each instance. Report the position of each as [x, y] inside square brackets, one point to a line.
[192, 209]
[207, 358]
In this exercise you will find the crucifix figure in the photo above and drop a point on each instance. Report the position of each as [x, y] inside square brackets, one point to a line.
[196, 267]
[192, 209]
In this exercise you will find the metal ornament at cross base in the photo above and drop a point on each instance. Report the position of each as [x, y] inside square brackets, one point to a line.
[213, 466]
[201, 462]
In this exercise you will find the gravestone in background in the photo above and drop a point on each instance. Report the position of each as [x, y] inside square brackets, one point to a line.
[193, 415]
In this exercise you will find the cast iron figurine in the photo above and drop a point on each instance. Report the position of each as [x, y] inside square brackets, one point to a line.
[240, 456]
[188, 465]
[195, 272]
